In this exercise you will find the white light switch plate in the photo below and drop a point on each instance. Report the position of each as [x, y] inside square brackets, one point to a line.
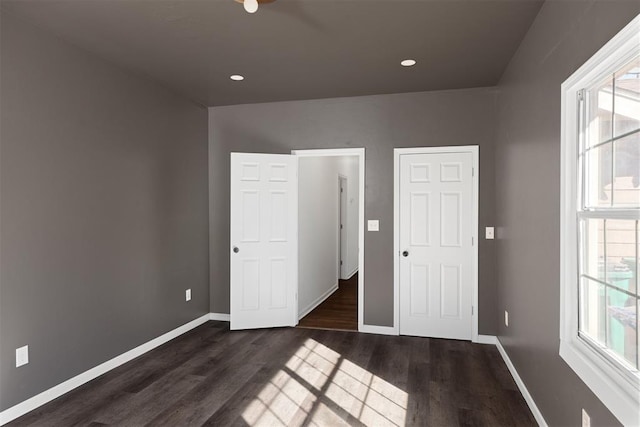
[373, 225]
[489, 233]
[22, 356]
[187, 295]
[586, 419]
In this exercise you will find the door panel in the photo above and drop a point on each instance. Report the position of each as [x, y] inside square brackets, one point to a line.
[450, 219]
[450, 291]
[264, 226]
[420, 289]
[278, 276]
[250, 279]
[279, 219]
[419, 217]
[436, 275]
[250, 216]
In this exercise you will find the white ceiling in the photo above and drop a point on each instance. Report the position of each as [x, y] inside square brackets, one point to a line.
[294, 49]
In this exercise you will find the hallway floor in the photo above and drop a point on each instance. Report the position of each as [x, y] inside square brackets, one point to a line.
[339, 311]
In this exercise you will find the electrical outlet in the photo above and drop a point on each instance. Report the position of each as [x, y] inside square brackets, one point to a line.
[506, 318]
[187, 295]
[22, 356]
[489, 233]
[586, 419]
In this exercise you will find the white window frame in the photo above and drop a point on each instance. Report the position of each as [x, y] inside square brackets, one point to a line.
[619, 392]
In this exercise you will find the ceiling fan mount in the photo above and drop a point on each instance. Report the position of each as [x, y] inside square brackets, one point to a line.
[259, 1]
[251, 6]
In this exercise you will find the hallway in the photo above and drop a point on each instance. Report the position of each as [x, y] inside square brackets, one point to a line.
[339, 311]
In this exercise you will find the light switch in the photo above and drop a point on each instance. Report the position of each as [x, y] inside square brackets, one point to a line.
[373, 225]
[489, 233]
[22, 356]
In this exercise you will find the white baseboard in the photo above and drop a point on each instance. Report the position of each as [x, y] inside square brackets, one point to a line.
[380, 330]
[222, 317]
[486, 339]
[523, 389]
[46, 396]
[350, 275]
[308, 309]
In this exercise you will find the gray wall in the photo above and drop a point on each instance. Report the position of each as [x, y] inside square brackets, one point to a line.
[564, 35]
[377, 123]
[103, 211]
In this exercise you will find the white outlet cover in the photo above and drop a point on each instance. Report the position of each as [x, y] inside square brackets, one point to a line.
[506, 318]
[489, 233]
[187, 294]
[22, 356]
[373, 225]
[586, 419]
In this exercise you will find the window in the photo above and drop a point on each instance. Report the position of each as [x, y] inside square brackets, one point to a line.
[600, 225]
[609, 168]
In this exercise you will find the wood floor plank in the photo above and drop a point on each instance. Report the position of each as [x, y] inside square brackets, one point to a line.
[230, 370]
[297, 377]
[142, 407]
[417, 382]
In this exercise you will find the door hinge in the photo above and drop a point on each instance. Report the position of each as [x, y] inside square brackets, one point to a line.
[472, 310]
[580, 94]
[472, 241]
[473, 171]
[340, 262]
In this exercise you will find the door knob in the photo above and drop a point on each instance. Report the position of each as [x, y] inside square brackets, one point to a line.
[405, 253]
[236, 250]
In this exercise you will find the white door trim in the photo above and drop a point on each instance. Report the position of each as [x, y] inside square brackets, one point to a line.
[397, 152]
[360, 153]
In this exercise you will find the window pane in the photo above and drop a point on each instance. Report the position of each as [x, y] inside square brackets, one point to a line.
[627, 98]
[597, 176]
[622, 323]
[592, 310]
[600, 113]
[593, 261]
[626, 184]
[621, 254]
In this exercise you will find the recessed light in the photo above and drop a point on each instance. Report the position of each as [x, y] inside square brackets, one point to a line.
[236, 77]
[408, 63]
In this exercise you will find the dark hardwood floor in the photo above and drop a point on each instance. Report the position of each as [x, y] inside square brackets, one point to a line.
[291, 376]
[339, 311]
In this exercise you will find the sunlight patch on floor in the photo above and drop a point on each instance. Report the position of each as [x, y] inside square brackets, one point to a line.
[320, 387]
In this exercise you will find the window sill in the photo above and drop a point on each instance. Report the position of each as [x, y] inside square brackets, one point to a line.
[621, 396]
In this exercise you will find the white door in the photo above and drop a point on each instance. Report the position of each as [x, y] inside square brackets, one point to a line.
[264, 241]
[342, 240]
[436, 252]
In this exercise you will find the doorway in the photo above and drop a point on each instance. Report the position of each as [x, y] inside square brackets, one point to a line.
[343, 211]
[331, 235]
[435, 240]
